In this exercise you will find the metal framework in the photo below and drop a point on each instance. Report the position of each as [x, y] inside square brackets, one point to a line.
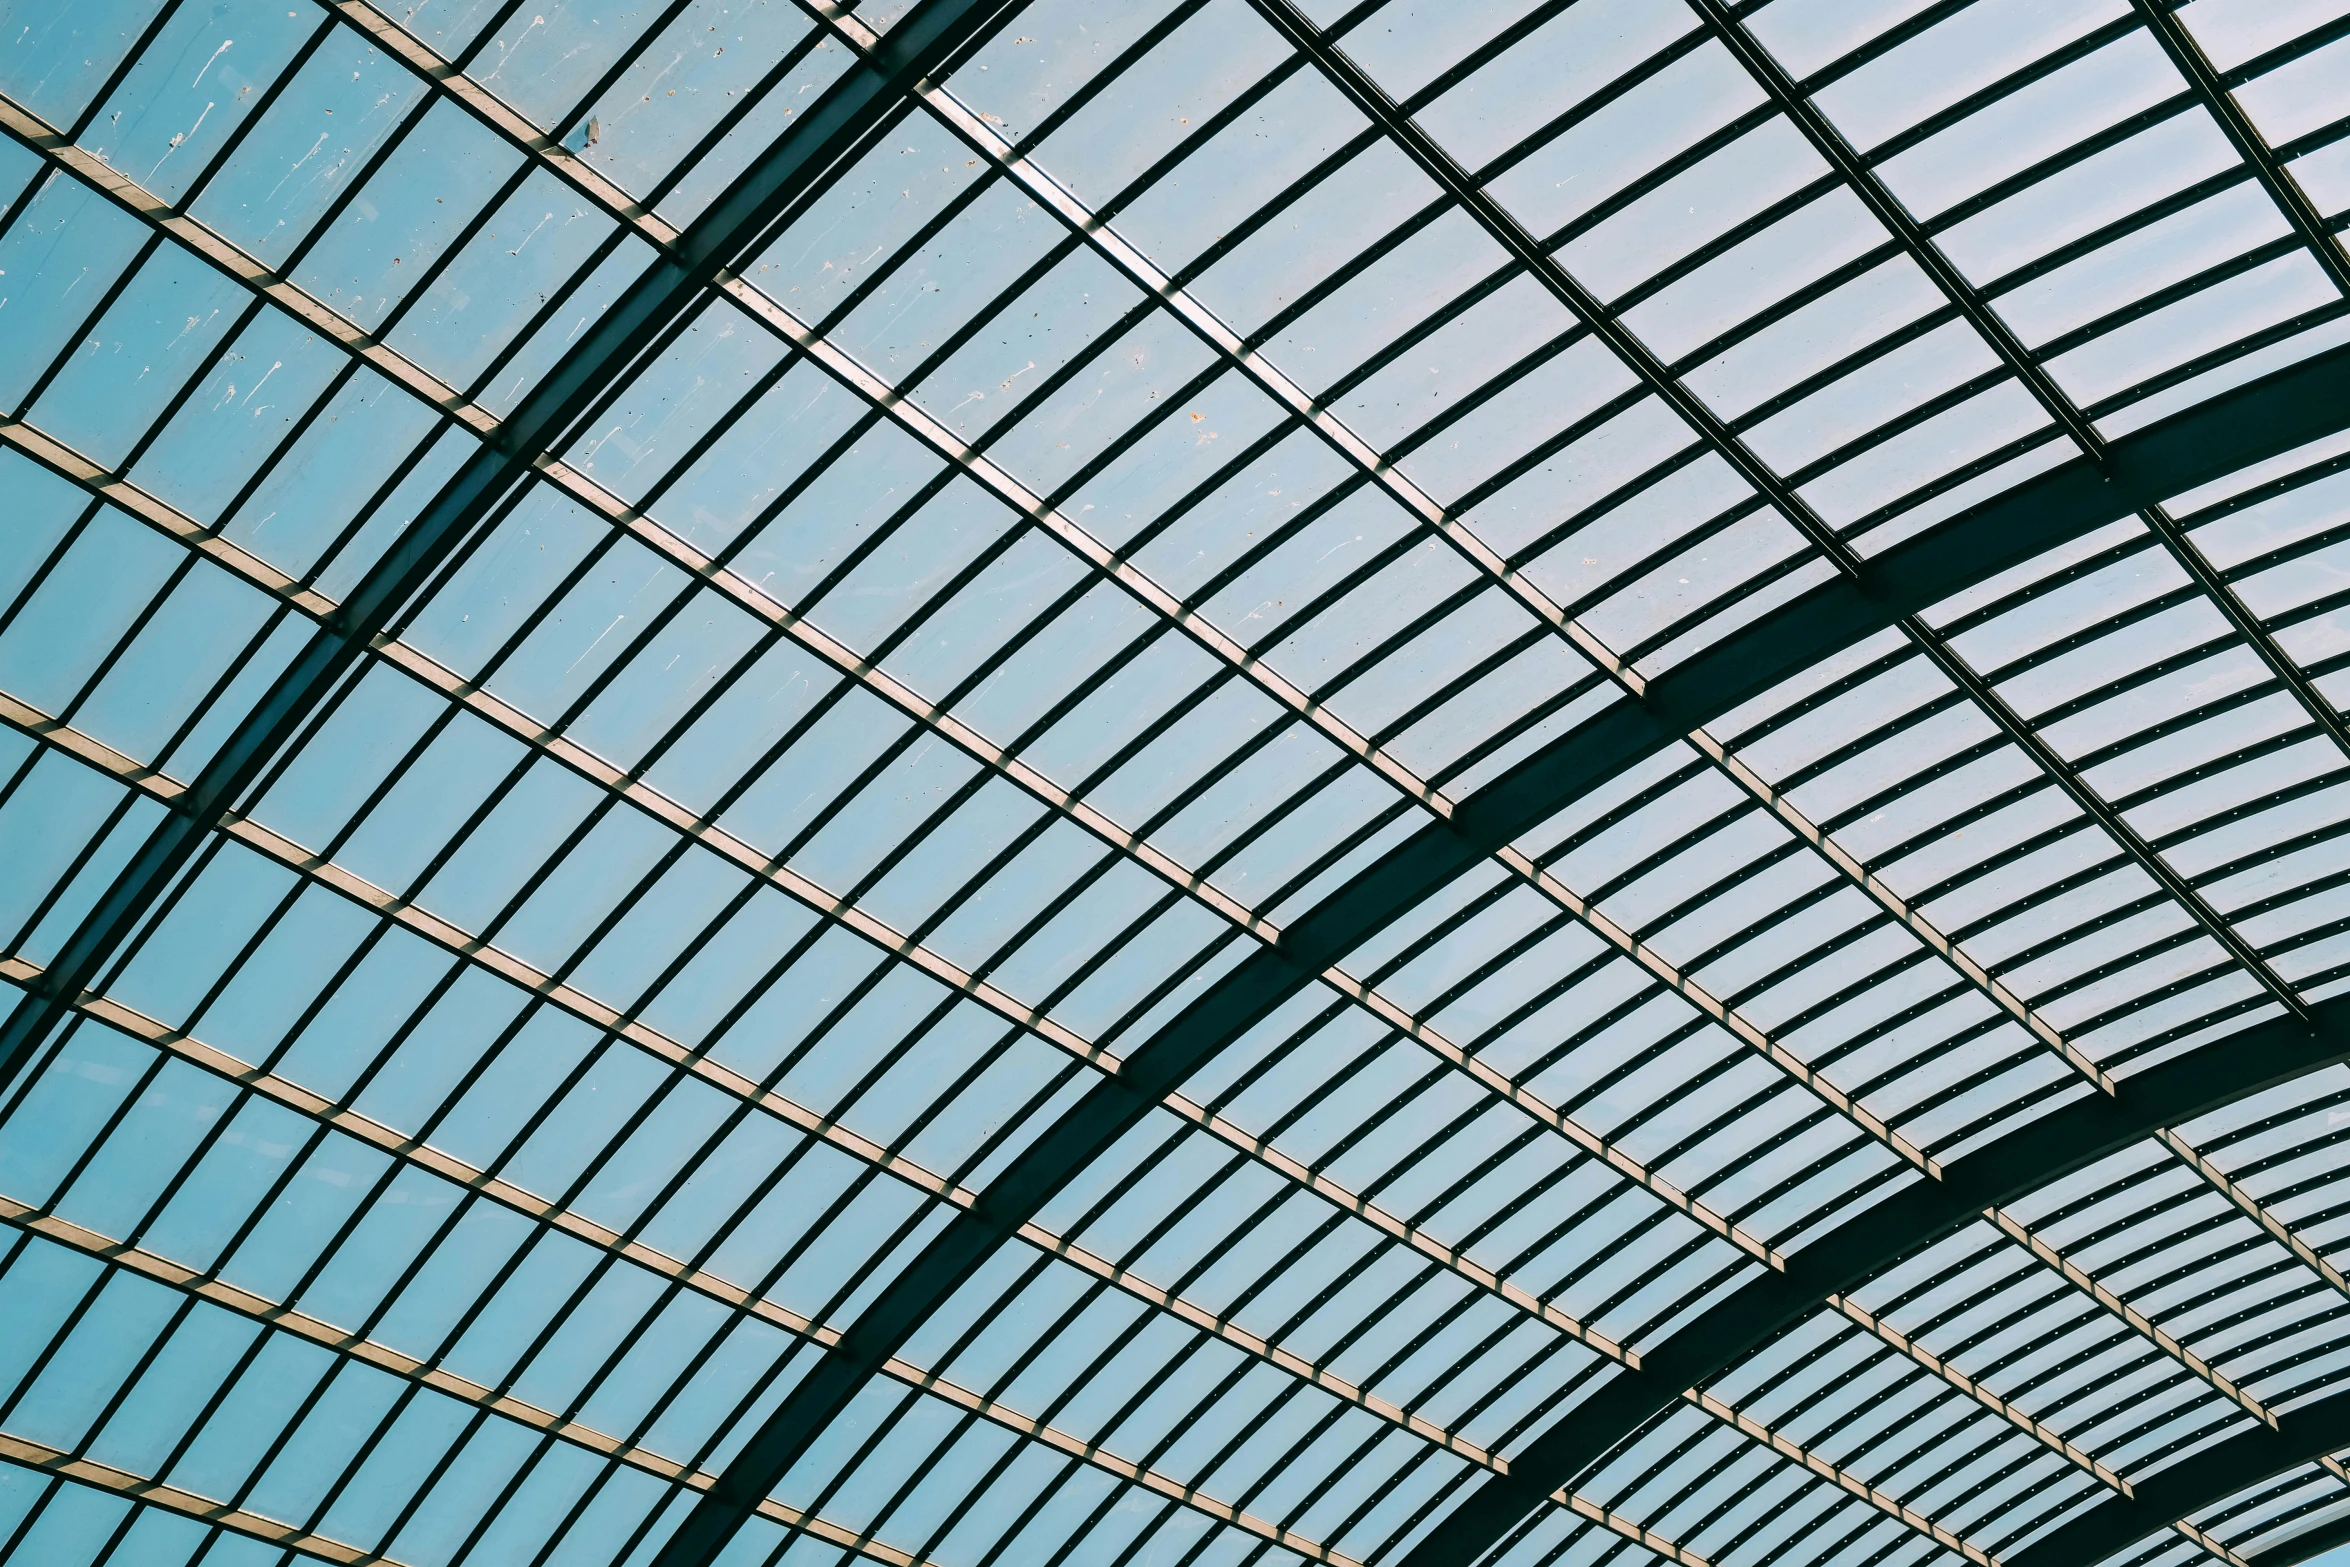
[1203, 781]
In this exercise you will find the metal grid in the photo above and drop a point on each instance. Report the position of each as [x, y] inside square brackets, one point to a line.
[1367, 851]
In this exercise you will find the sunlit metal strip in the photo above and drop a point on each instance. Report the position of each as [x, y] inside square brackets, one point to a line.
[408, 1368]
[827, 904]
[1843, 1479]
[736, 590]
[2247, 624]
[29, 1454]
[2220, 1182]
[2137, 1321]
[521, 726]
[303, 1101]
[2066, 1139]
[285, 1318]
[939, 438]
[488, 108]
[1829, 143]
[841, 121]
[1146, 275]
[462, 943]
[2022, 1419]
[1350, 79]
[315, 1107]
[1392, 1013]
[747, 596]
[60, 152]
[2305, 1434]
[2208, 1542]
[935, 435]
[1229, 345]
[1372, 100]
[1902, 912]
[2252, 1208]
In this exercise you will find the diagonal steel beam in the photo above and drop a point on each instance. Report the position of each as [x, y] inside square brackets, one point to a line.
[293, 1542]
[544, 1214]
[2188, 56]
[2306, 1435]
[2132, 843]
[541, 1213]
[1723, 22]
[837, 127]
[481, 954]
[2067, 1139]
[2267, 417]
[282, 1317]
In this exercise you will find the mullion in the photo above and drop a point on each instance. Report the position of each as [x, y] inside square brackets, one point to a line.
[1893, 1073]
[1515, 32]
[1471, 676]
[1876, 437]
[1500, 382]
[1765, 725]
[1325, 288]
[741, 110]
[87, 327]
[1658, 175]
[1812, 292]
[1575, 1162]
[1723, 243]
[1608, 92]
[1112, 74]
[2187, 287]
[1624, 494]
[1858, 359]
[2038, 69]
[1190, 272]
[1517, 730]
[1802, 557]
[1427, 327]
[1589, 1029]
[2152, 385]
[2180, 200]
[1548, 447]
[2128, 1007]
[1691, 1246]
[1844, 1198]
[1956, 478]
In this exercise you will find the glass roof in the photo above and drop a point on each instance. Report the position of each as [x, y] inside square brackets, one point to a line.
[1138, 783]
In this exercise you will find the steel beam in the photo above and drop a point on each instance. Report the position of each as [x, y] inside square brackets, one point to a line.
[2057, 1144]
[2264, 419]
[2202, 1480]
[834, 130]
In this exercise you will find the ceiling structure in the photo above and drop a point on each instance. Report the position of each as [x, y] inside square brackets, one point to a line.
[1121, 782]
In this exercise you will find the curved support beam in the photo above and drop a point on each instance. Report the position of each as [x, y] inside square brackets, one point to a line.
[838, 127]
[2301, 1547]
[2250, 424]
[2202, 1480]
[2078, 1134]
